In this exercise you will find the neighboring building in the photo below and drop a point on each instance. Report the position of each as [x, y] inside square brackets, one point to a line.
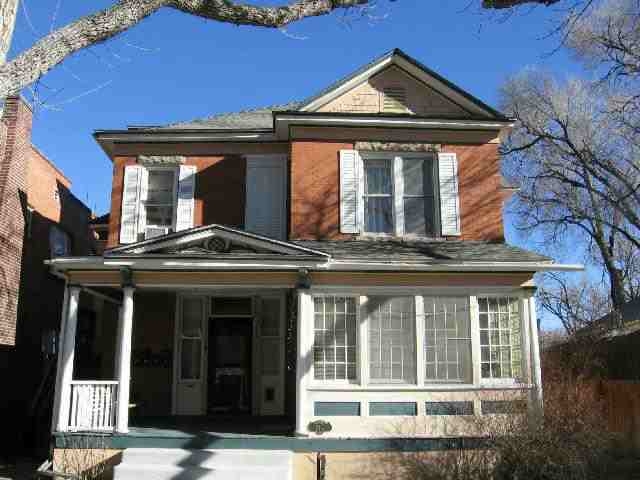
[41, 219]
[99, 227]
[338, 259]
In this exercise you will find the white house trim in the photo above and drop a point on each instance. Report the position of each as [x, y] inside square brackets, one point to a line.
[123, 362]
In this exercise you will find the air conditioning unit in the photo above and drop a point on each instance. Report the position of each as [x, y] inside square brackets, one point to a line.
[152, 232]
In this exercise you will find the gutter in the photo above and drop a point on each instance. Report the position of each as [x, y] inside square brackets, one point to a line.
[182, 264]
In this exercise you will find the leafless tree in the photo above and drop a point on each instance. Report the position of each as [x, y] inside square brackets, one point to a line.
[578, 305]
[577, 170]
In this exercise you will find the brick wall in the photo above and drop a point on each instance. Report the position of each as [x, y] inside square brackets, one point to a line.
[481, 195]
[315, 190]
[15, 147]
[219, 195]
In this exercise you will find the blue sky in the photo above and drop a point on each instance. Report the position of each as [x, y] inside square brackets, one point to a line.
[177, 67]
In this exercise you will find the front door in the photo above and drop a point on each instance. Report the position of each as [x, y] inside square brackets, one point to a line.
[229, 365]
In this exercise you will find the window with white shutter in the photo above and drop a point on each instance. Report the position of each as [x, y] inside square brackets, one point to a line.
[186, 191]
[130, 204]
[396, 194]
[349, 185]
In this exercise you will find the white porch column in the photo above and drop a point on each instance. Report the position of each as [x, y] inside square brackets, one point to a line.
[123, 361]
[62, 401]
[536, 367]
[305, 358]
[57, 390]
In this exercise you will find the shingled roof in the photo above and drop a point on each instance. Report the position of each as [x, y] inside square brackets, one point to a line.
[254, 119]
[261, 118]
[422, 251]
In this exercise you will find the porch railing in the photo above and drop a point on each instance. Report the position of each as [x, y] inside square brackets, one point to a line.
[93, 406]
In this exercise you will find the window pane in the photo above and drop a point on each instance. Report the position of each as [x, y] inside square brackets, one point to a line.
[377, 177]
[447, 339]
[392, 339]
[190, 359]
[412, 172]
[334, 338]
[378, 214]
[500, 337]
[191, 317]
[270, 324]
[159, 216]
[161, 186]
[414, 216]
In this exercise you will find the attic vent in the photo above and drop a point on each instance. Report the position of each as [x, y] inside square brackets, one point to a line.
[394, 100]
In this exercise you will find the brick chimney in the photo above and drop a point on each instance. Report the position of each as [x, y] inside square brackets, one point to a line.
[15, 146]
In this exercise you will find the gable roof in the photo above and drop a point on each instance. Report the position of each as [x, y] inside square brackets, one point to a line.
[214, 240]
[262, 118]
[401, 59]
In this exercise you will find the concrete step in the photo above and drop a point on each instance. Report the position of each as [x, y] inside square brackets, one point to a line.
[173, 472]
[227, 464]
[207, 458]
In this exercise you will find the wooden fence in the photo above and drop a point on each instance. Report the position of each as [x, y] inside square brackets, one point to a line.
[621, 400]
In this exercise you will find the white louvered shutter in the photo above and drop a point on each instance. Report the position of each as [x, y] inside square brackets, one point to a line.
[186, 190]
[265, 209]
[449, 198]
[143, 195]
[130, 204]
[349, 173]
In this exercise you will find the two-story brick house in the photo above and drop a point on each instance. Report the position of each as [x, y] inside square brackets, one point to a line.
[341, 258]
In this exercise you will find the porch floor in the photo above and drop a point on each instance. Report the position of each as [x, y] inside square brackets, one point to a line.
[227, 426]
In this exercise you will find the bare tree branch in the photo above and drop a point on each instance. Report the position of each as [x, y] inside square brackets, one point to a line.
[52, 49]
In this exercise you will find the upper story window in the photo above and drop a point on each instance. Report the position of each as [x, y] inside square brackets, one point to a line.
[156, 200]
[160, 204]
[378, 196]
[399, 194]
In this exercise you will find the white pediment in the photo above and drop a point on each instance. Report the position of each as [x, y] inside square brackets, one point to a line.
[213, 240]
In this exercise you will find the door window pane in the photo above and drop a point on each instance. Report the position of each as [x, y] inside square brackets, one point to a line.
[231, 306]
[500, 337]
[192, 317]
[270, 324]
[378, 201]
[190, 359]
[334, 346]
[447, 339]
[392, 338]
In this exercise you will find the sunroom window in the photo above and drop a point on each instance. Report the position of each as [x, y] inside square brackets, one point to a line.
[334, 352]
[500, 337]
[447, 339]
[392, 339]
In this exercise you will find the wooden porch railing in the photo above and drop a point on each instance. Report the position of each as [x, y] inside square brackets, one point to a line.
[93, 406]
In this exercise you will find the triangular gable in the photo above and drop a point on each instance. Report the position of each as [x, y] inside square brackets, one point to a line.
[213, 240]
[426, 92]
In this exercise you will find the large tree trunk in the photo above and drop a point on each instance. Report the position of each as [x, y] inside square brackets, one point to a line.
[8, 10]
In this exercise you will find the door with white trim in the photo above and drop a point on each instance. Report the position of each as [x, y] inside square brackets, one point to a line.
[189, 357]
[266, 195]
